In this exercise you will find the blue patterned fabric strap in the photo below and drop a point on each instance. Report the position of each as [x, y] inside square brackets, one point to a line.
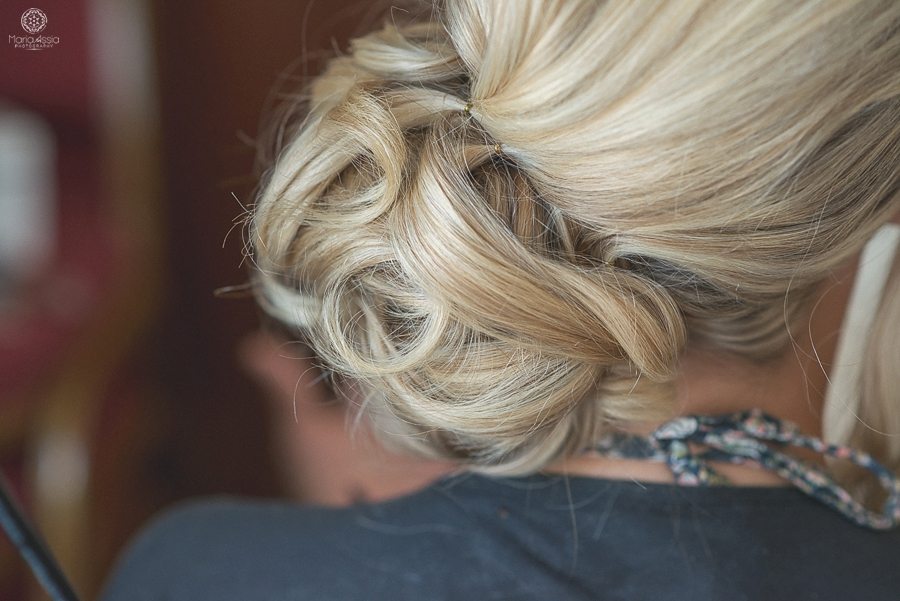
[741, 437]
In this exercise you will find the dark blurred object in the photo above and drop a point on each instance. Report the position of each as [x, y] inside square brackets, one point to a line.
[223, 67]
[218, 65]
[31, 547]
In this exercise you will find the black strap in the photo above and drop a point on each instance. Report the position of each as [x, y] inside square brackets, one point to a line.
[32, 548]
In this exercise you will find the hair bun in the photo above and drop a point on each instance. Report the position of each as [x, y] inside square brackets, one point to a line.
[501, 307]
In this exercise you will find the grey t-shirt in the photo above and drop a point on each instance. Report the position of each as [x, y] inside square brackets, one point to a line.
[473, 538]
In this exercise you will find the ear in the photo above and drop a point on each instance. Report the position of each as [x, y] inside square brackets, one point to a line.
[320, 462]
[286, 369]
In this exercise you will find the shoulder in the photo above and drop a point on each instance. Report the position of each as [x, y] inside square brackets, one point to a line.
[482, 538]
[228, 548]
[204, 548]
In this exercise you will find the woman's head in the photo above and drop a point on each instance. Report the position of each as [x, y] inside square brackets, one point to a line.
[505, 222]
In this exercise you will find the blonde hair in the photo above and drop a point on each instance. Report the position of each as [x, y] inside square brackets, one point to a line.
[505, 222]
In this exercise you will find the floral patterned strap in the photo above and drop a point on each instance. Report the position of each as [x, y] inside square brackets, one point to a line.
[741, 437]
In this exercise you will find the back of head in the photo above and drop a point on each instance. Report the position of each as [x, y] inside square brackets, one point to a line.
[506, 221]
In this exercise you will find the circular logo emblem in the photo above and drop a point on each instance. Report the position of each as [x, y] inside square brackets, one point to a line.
[34, 20]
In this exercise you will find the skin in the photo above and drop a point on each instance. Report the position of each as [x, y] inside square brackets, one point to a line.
[322, 464]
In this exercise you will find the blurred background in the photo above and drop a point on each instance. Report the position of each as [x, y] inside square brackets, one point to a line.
[127, 143]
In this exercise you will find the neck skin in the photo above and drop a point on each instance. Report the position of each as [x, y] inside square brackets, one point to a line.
[790, 388]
